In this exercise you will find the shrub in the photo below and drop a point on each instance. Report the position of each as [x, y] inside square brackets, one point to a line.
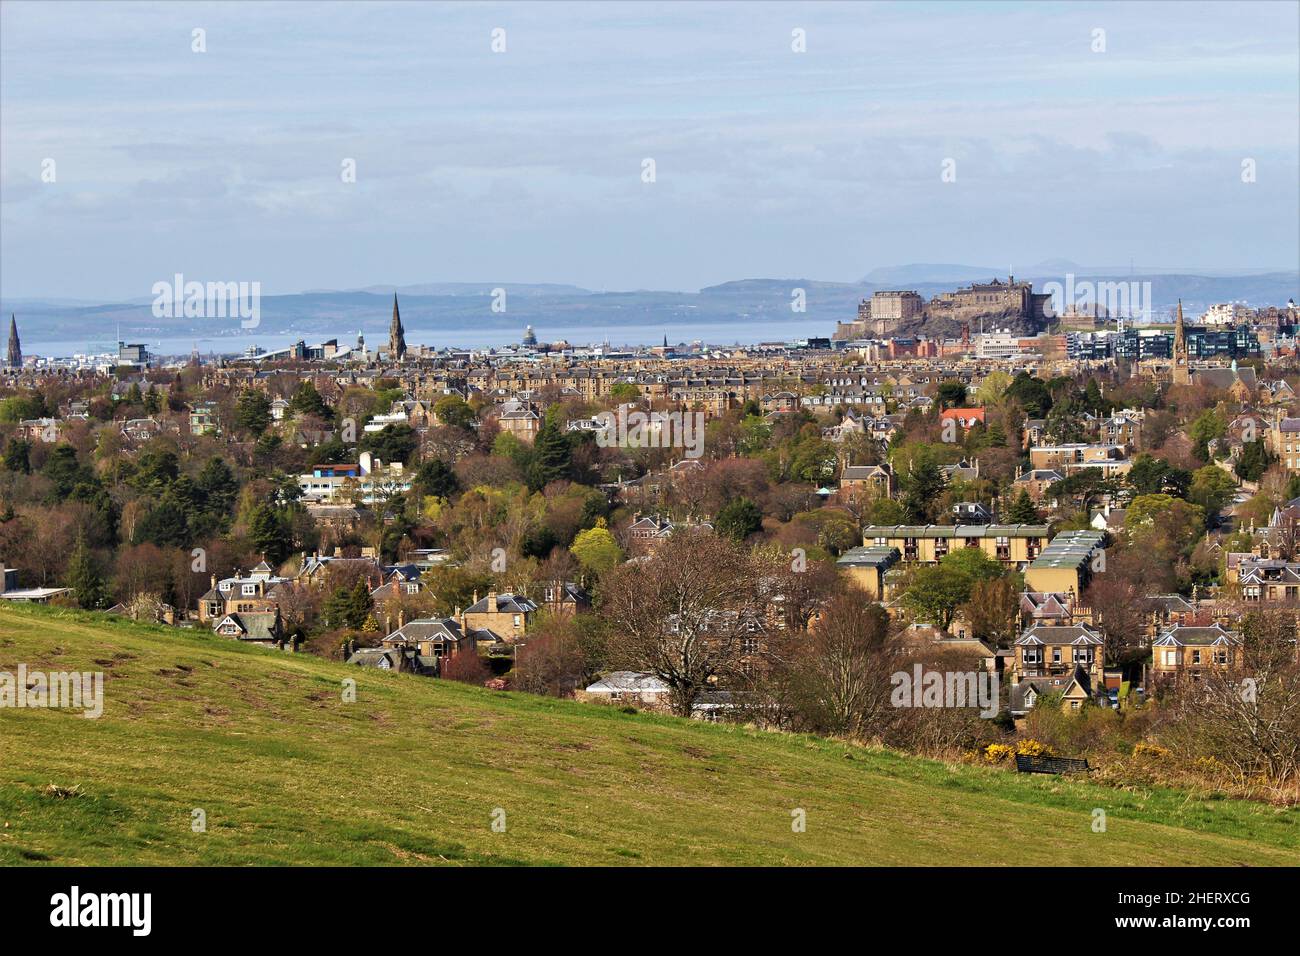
[1144, 749]
[998, 753]
[1033, 748]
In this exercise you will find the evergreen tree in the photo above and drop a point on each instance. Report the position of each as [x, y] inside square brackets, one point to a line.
[272, 536]
[253, 412]
[435, 478]
[348, 607]
[166, 525]
[925, 484]
[84, 578]
[218, 485]
[1254, 461]
[551, 459]
[738, 519]
[1022, 510]
[307, 401]
[18, 456]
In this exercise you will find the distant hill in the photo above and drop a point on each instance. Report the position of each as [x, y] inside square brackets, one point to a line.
[906, 277]
[454, 305]
[411, 772]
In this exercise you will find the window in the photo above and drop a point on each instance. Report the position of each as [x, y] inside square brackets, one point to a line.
[1196, 657]
[518, 620]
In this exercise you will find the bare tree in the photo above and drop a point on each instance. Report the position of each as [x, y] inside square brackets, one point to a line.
[683, 614]
[843, 669]
[1247, 717]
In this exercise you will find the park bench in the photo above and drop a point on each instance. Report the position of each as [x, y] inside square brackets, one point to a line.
[1029, 764]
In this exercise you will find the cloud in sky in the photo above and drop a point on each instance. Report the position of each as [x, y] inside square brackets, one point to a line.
[526, 165]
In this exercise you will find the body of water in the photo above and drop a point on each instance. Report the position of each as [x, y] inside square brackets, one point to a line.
[722, 333]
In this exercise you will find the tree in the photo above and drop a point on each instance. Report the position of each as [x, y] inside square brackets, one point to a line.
[1167, 528]
[307, 401]
[1151, 476]
[253, 412]
[842, 670]
[391, 443]
[934, 595]
[1253, 462]
[465, 667]
[435, 478]
[1250, 727]
[166, 525]
[994, 611]
[271, 532]
[551, 456]
[1211, 488]
[1064, 422]
[993, 388]
[349, 607]
[938, 590]
[951, 394]
[738, 519]
[684, 614]
[1022, 510]
[85, 580]
[1032, 393]
[454, 411]
[218, 486]
[1119, 606]
[1209, 426]
[596, 550]
[18, 456]
[924, 483]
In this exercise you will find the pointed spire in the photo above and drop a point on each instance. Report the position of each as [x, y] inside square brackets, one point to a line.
[1182, 375]
[15, 357]
[396, 335]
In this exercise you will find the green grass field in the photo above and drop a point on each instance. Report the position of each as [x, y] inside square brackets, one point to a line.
[412, 772]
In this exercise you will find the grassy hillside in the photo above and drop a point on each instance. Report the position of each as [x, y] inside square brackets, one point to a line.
[413, 770]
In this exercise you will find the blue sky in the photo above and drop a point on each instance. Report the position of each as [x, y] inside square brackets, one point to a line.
[526, 165]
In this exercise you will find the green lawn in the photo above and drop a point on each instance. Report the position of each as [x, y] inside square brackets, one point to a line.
[412, 772]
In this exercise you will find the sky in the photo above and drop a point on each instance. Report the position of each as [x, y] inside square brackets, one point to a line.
[529, 164]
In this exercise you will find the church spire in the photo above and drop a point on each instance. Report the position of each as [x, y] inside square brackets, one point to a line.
[15, 357]
[396, 335]
[1182, 374]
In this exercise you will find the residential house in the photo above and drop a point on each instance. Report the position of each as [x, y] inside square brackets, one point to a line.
[1048, 650]
[498, 618]
[1192, 652]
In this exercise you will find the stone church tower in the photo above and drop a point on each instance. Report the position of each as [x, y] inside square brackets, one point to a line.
[396, 336]
[1182, 371]
[15, 358]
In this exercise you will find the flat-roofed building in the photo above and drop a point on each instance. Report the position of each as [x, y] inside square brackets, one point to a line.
[1014, 545]
[867, 566]
[1065, 565]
